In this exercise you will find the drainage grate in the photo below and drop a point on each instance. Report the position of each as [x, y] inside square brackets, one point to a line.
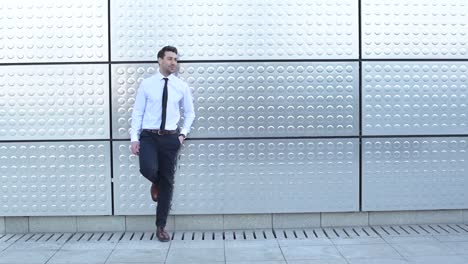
[95, 237]
[326, 233]
[45, 237]
[415, 230]
[10, 238]
[136, 236]
[258, 234]
[199, 235]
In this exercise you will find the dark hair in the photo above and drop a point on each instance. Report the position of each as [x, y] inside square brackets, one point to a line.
[162, 52]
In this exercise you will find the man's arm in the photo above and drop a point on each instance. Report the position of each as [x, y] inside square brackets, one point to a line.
[189, 112]
[137, 118]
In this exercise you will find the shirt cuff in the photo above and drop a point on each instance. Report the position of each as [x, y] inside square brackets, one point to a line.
[134, 138]
[184, 131]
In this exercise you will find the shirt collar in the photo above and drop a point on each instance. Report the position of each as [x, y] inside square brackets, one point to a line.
[160, 76]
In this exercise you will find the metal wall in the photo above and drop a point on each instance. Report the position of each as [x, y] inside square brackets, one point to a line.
[303, 106]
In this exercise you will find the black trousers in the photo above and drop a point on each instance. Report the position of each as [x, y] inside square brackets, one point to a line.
[158, 160]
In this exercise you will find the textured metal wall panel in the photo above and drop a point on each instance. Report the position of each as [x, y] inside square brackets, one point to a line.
[415, 173]
[131, 189]
[249, 176]
[54, 102]
[60, 178]
[414, 29]
[404, 98]
[270, 176]
[53, 31]
[125, 81]
[244, 29]
[256, 99]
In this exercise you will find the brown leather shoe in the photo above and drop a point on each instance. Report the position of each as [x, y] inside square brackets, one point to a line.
[162, 234]
[154, 192]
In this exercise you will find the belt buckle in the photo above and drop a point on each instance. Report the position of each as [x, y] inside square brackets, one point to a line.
[160, 132]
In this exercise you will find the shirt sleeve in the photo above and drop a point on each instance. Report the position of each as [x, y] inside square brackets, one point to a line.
[189, 112]
[137, 113]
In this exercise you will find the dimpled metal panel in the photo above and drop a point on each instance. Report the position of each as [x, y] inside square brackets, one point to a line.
[53, 31]
[404, 98]
[249, 176]
[414, 29]
[60, 178]
[131, 189]
[243, 29]
[125, 81]
[274, 99]
[54, 102]
[415, 173]
[256, 99]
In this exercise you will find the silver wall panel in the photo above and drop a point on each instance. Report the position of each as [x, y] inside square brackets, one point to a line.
[131, 189]
[125, 81]
[244, 29]
[414, 98]
[53, 31]
[59, 178]
[414, 29]
[256, 99]
[249, 176]
[415, 173]
[54, 102]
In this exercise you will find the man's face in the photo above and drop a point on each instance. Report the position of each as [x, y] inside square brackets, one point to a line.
[168, 64]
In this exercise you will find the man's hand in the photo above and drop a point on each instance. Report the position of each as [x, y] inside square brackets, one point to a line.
[136, 148]
[181, 139]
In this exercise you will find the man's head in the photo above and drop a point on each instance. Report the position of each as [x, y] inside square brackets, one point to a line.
[167, 59]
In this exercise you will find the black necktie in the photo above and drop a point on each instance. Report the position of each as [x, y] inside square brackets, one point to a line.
[164, 105]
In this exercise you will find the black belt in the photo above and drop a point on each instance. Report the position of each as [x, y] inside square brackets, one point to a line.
[162, 132]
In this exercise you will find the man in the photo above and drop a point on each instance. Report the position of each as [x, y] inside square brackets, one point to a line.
[155, 135]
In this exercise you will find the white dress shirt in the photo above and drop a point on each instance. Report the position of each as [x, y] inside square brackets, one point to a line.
[147, 109]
